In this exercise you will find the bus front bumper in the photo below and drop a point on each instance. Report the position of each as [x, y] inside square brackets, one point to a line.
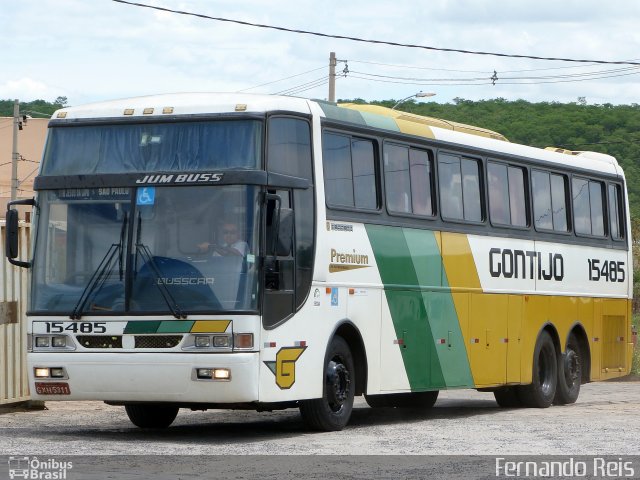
[145, 377]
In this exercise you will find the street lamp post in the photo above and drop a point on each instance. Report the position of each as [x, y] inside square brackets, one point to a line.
[416, 95]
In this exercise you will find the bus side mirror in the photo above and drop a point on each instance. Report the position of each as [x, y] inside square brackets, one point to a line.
[12, 233]
[11, 238]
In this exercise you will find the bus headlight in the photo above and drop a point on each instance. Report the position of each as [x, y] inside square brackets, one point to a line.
[221, 341]
[203, 341]
[59, 342]
[42, 342]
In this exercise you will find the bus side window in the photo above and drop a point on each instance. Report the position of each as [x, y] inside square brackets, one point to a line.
[349, 171]
[588, 207]
[549, 201]
[615, 212]
[459, 180]
[507, 195]
[396, 178]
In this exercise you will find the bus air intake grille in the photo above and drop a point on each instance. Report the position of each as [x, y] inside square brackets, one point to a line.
[157, 341]
[99, 341]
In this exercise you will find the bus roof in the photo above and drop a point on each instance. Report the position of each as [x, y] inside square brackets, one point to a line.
[367, 115]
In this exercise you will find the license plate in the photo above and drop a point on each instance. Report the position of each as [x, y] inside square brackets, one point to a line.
[58, 388]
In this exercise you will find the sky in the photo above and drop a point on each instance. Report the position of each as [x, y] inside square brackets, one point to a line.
[99, 50]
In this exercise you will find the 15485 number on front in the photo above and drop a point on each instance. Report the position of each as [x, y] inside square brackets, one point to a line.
[75, 327]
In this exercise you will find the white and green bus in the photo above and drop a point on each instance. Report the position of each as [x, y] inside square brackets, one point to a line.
[243, 251]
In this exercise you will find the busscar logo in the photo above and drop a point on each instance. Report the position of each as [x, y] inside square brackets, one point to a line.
[34, 468]
[171, 178]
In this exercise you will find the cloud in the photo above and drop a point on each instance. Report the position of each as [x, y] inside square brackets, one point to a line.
[98, 50]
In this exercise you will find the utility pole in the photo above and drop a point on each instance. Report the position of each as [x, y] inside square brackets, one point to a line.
[14, 153]
[332, 76]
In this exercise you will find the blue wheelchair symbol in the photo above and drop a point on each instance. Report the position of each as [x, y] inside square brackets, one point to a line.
[334, 297]
[146, 196]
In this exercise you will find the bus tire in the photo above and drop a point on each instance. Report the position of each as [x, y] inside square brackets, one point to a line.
[507, 397]
[569, 373]
[542, 390]
[332, 412]
[424, 400]
[151, 415]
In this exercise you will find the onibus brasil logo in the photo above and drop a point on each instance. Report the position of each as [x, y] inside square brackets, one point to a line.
[36, 469]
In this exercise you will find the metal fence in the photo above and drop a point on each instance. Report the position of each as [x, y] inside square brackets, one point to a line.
[13, 322]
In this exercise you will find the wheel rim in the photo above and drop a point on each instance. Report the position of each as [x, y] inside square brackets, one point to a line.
[338, 384]
[571, 367]
[545, 370]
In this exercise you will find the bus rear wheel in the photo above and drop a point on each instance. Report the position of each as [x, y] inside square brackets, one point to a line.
[569, 373]
[332, 411]
[541, 392]
[151, 415]
[423, 400]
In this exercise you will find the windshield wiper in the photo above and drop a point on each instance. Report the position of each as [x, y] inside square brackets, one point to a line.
[147, 256]
[101, 273]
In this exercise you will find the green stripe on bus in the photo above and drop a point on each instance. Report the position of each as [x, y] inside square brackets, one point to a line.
[434, 352]
[173, 326]
[407, 307]
[137, 326]
[441, 311]
[380, 121]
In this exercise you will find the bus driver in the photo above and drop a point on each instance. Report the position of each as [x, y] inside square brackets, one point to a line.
[232, 244]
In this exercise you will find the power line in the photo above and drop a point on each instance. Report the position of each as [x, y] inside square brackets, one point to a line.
[305, 86]
[282, 79]
[573, 77]
[421, 68]
[363, 40]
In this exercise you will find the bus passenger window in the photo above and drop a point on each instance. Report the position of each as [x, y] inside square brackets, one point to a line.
[408, 180]
[421, 169]
[615, 211]
[338, 180]
[507, 204]
[459, 180]
[364, 174]
[517, 197]
[498, 194]
[471, 190]
[588, 208]
[450, 187]
[396, 176]
[549, 201]
[349, 171]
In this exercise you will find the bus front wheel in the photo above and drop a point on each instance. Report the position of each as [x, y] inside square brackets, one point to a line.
[541, 392]
[333, 410]
[150, 415]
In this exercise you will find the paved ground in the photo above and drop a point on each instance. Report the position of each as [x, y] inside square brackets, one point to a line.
[605, 421]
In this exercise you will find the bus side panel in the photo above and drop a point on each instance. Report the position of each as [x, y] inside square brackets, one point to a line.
[427, 324]
[615, 337]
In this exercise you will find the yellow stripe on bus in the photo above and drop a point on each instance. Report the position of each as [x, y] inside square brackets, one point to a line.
[210, 326]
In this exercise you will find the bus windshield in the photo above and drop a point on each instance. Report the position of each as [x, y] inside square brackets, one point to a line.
[149, 147]
[173, 250]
